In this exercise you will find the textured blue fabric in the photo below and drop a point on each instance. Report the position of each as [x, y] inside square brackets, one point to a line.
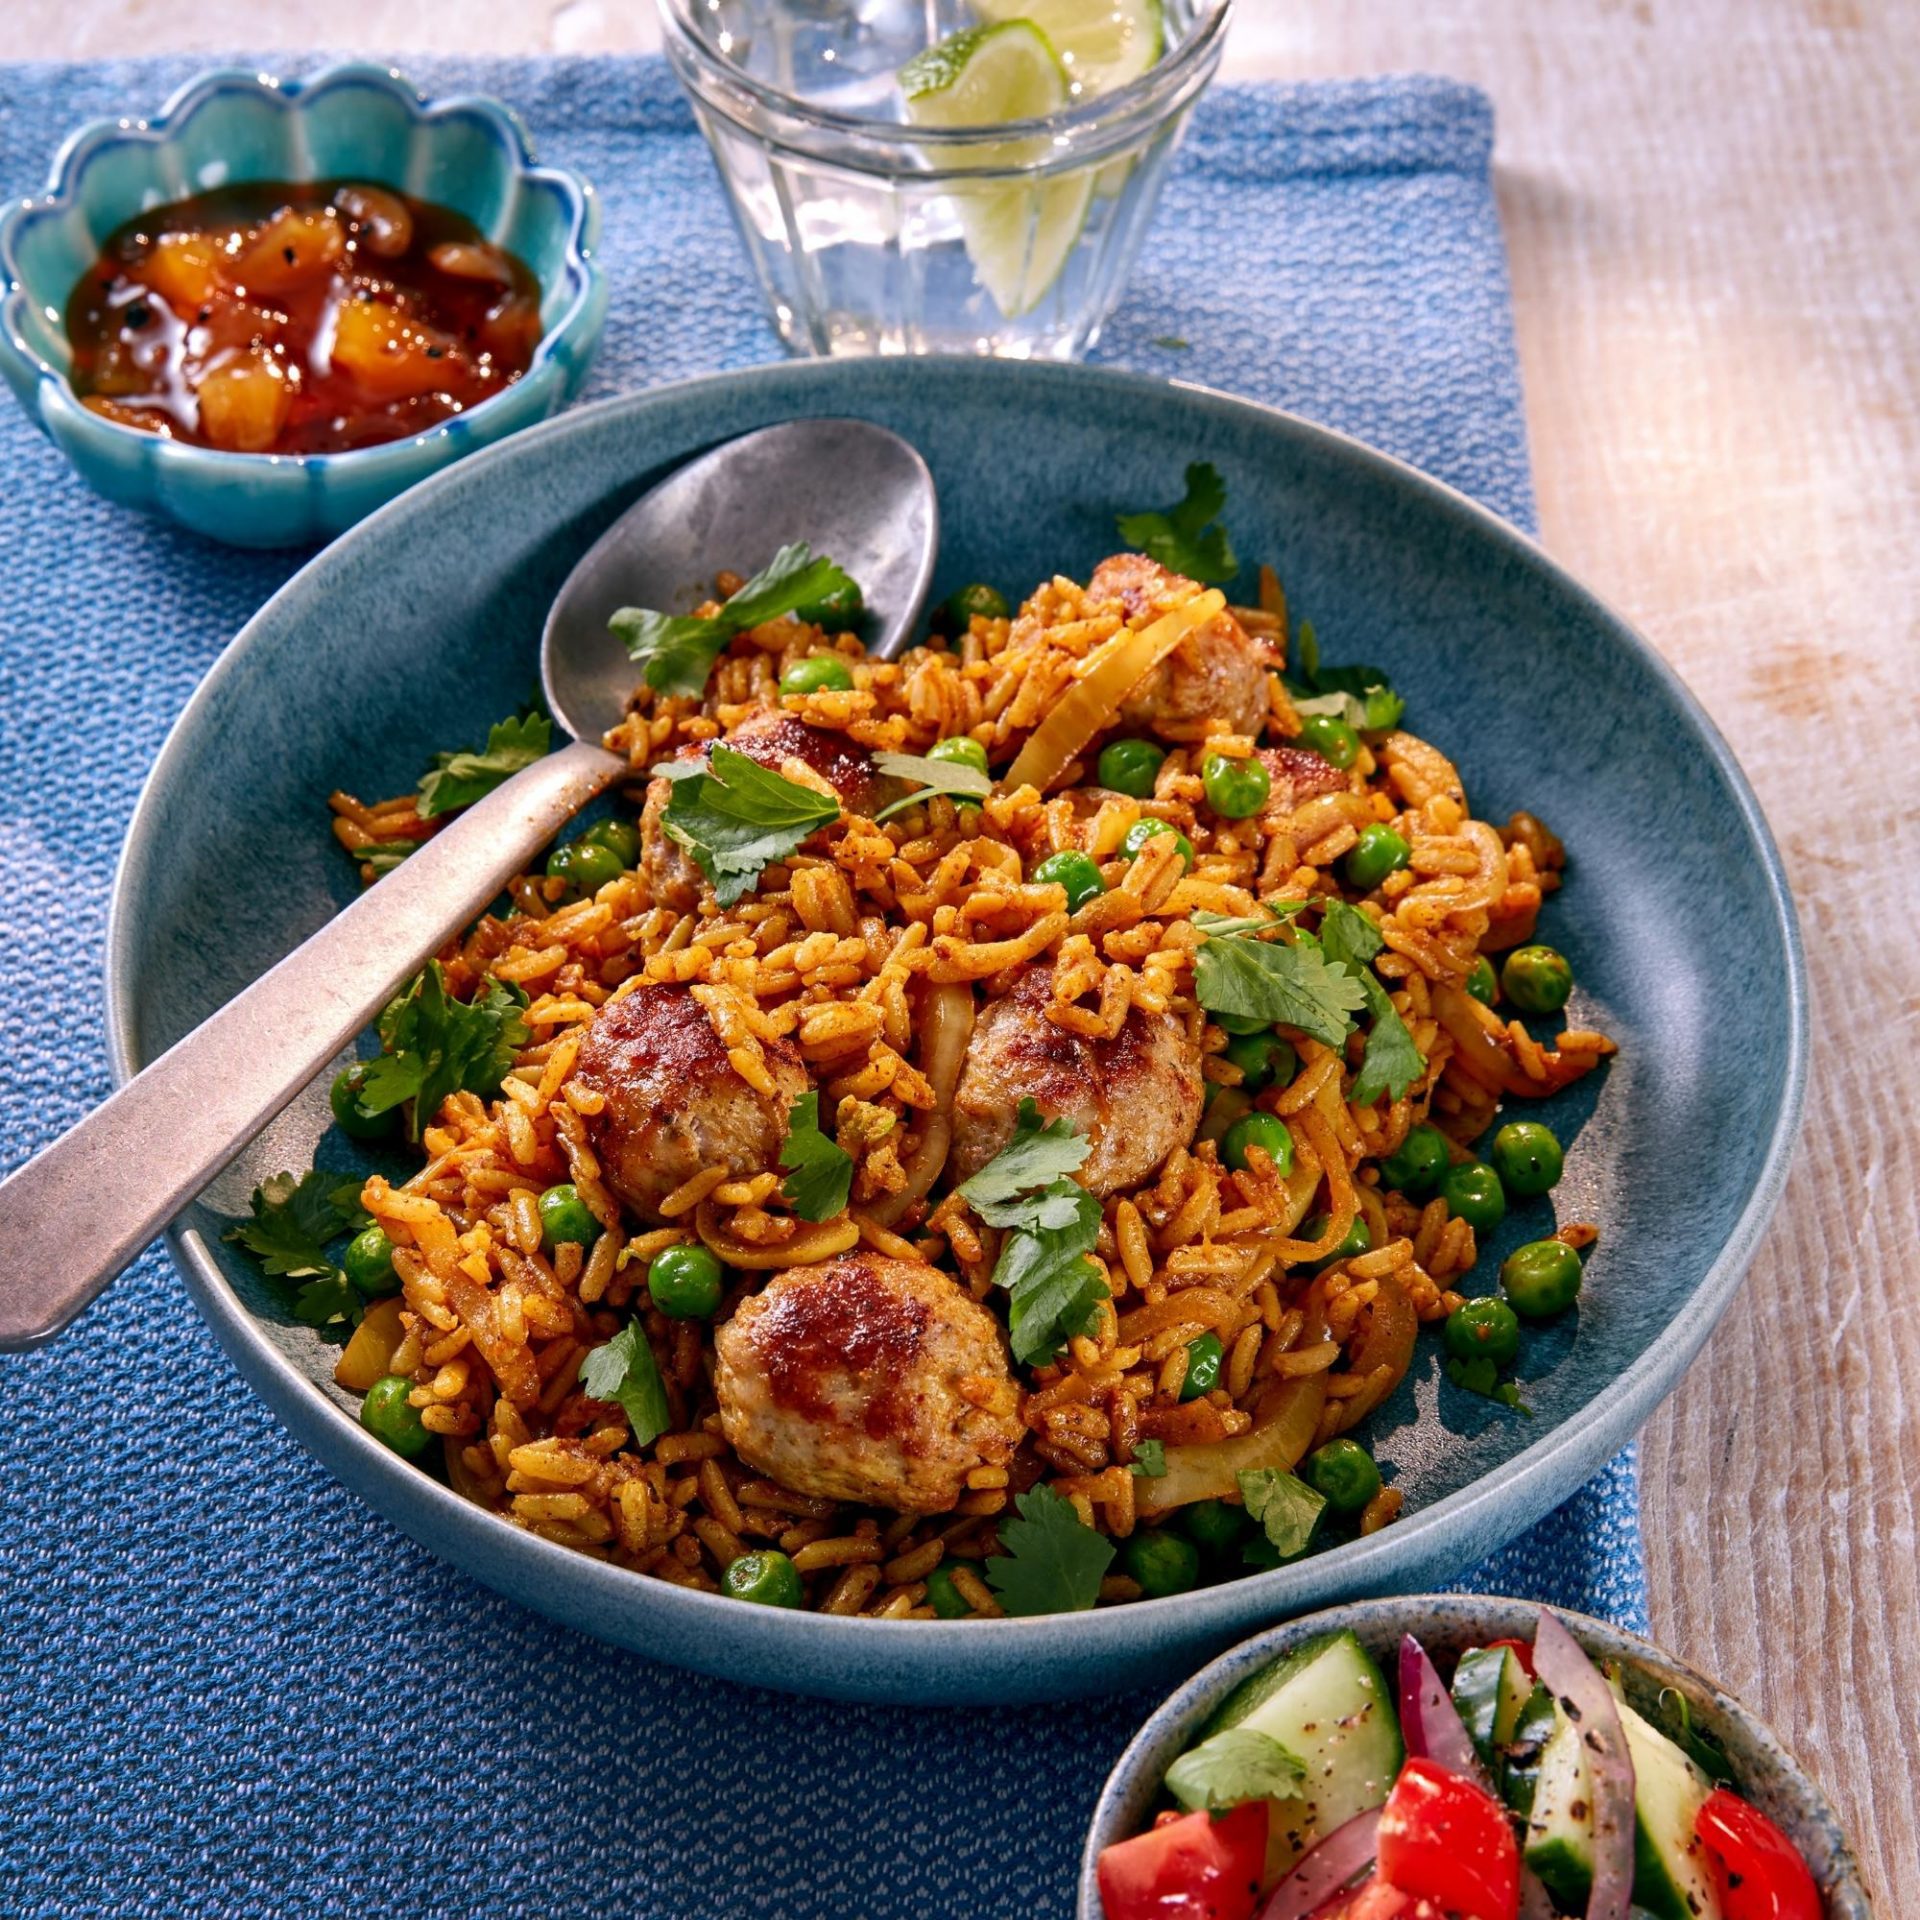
[225, 1687]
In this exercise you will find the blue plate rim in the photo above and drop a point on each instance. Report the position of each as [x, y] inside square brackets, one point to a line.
[1529, 1485]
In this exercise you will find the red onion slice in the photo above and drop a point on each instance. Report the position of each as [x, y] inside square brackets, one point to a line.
[1329, 1865]
[1535, 1902]
[1429, 1723]
[1586, 1699]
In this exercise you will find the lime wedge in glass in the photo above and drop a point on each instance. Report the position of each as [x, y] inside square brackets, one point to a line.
[1103, 44]
[1018, 236]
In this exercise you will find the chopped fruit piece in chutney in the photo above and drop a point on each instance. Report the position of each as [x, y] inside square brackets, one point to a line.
[298, 318]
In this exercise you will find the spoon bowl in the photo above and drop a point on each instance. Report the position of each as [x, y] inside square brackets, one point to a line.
[80, 1210]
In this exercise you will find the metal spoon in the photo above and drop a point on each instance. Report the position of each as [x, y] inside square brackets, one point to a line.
[78, 1212]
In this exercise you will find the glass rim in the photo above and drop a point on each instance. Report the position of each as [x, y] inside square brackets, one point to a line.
[1143, 97]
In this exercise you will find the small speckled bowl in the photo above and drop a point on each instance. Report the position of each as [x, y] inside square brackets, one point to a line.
[360, 122]
[1447, 1624]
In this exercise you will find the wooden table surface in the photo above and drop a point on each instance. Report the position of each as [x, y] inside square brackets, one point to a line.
[1711, 210]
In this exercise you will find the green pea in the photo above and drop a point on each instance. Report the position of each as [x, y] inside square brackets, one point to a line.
[344, 1098]
[1203, 1366]
[1235, 788]
[1344, 1471]
[1130, 767]
[1076, 873]
[960, 750]
[387, 1414]
[1473, 1193]
[686, 1282]
[1481, 983]
[1536, 979]
[619, 837]
[1263, 1058]
[1144, 830]
[368, 1263]
[1358, 1237]
[836, 611]
[1238, 1024]
[944, 1597]
[565, 1217]
[1162, 1562]
[1258, 1130]
[1214, 1526]
[966, 604]
[1527, 1157]
[1378, 852]
[765, 1577]
[584, 866]
[816, 674]
[1541, 1279]
[1483, 1329]
[1416, 1165]
[1331, 738]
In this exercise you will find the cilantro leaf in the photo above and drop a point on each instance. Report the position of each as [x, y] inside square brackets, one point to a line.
[1361, 696]
[1288, 986]
[736, 817]
[819, 1170]
[1039, 1154]
[294, 1219]
[1391, 1063]
[437, 1045]
[459, 779]
[1054, 1562]
[951, 777]
[326, 1301]
[677, 651]
[1286, 1508]
[1273, 913]
[1181, 538]
[1480, 1375]
[1236, 1765]
[1150, 1460]
[1054, 1291]
[625, 1372]
[1349, 936]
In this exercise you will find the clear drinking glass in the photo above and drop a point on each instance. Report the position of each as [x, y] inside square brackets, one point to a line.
[870, 235]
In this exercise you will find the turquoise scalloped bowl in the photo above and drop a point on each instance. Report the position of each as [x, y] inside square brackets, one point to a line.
[468, 153]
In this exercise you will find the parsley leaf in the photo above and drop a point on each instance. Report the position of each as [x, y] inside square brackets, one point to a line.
[1150, 1460]
[819, 1170]
[677, 651]
[1277, 985]
[1180, 538]
[1054, 1562]
[1361, 696]
[1039, 1154]
[1391, 1063]
[1054, 1291]
[437, 1045]
[625, 1372]
[1236, 1765]
[1348, 935]
[1480, 1375]
[459, 779]
[951, 777]
[294, 1219]
[737, 817]
[1285, 1507]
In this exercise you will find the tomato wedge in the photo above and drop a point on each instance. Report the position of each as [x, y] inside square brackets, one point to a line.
[1760, 1871]
[1199, 1867]
[1520, 1651]
[1443, 1839]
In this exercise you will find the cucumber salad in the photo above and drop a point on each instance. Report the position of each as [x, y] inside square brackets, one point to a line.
[1530, 1787]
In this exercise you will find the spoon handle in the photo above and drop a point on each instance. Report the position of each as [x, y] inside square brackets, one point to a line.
[79, 1211]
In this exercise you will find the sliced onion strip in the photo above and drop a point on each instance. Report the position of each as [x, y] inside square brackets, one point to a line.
[1429, 1722]
[1325, 1868]
[1586, 1699]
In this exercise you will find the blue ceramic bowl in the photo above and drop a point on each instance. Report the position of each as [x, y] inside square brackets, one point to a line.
[422, 626]
[1447, 1624]
[362, 122]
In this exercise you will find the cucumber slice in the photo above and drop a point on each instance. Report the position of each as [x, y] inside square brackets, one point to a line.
[1329, 1705]
[1103, 44]
[1559, 1838]
[1489, 1688]
[1520, 1763]
[1018, 237]
[1671, 1878]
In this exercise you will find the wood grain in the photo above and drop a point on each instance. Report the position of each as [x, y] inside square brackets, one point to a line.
[1710, 209]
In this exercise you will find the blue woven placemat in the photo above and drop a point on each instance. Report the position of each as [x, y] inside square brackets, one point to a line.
[225, 1686]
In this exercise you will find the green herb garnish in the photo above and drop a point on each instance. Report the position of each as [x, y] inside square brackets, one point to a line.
[437, 1046]
[676, 652]
[625, 1372]
[1391, 1063]
[952, 777]
[1236, 1765]
[1054, 1562]
[1361, 696]
[1286, 1508]
[459, 779]
[1278, 985]
[1181, 538]
[736, 817]
[1480, 1375]
[819, 1170]
[293, 1220]
[1149, 1460]
[1005, 1192]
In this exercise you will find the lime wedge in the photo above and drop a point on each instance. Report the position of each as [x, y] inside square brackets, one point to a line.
[1103, 44]
[1018, 237]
